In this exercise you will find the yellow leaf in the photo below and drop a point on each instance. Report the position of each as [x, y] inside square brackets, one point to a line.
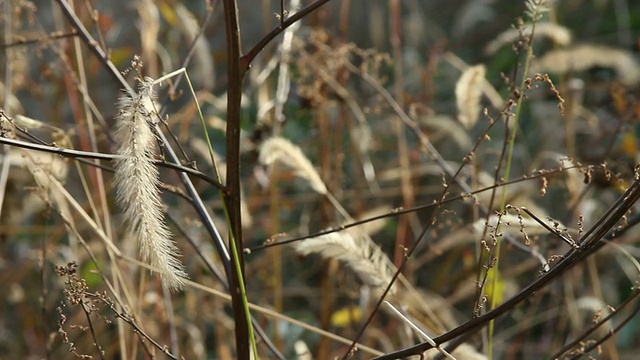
[168, 13]
[629, 146]
[346, 316]
[494, 287]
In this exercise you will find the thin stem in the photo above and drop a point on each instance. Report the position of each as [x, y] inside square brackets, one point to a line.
[52, 36]
[507, 172]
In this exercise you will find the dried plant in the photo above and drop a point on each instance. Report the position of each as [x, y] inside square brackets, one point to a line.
[586, 56]
[536, 8]
[368, 261]
[468, 93]
[284, 151]
[136, 182]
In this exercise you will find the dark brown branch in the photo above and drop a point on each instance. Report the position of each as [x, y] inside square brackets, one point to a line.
[235, 76]
[255, 50]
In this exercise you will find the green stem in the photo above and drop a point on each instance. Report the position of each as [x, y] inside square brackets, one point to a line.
[503, 199]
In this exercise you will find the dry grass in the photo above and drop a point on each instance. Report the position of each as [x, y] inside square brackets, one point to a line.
[338, 161]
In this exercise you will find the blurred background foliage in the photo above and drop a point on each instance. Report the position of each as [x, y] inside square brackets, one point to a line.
[370, 165]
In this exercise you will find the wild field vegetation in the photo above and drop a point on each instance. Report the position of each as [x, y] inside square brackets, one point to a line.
[319, 179]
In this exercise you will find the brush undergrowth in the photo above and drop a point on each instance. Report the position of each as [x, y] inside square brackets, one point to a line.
[326, 179]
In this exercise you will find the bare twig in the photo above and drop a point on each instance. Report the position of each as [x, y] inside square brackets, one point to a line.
[52, 36]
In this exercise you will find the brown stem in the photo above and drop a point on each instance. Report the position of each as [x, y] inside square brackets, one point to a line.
[235, 76]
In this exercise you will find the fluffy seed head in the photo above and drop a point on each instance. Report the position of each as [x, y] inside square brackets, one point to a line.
[136, 182]
[282, 150]
[586, 56]
[468, 93]
[368, 261]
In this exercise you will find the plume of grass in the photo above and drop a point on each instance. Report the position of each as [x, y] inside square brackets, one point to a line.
[358, 253]
[468, 93]
[586, 56]
[282, 150]
[490, 93]
[136, 182]
[536, 8]
[354, 248]
[559, 34]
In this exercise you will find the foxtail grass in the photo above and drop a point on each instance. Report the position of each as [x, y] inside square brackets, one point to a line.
[468, 94]
[136, 182]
